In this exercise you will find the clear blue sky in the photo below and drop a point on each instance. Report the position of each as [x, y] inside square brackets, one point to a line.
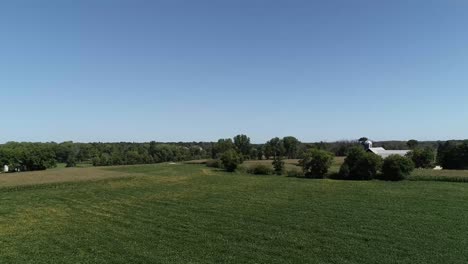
[201, 70]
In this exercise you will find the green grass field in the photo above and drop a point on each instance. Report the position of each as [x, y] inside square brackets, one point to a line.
[189, 213]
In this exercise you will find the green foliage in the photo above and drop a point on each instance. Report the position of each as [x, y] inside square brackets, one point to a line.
[222, 146]
[278, 165]
[71, 161]
[214, 163]
[412, 143]
[362, 140]
[396, 168]
[453, 156]
[360, 165]
[40, 156]
[260, 169]
[291, 146]
[231, 159]
[316, 163]
[295, 173]
[242, 144]
[28, 156]
[274, 148]
[422, 158]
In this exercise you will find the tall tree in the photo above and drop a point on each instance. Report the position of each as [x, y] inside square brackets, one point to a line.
[242, 143]
[412, 143]
[274, 147]
[222, 146]
[291, 145]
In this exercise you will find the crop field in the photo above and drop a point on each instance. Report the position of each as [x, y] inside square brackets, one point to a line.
[188, 213]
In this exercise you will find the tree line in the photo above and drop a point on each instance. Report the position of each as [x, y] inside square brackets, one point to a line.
[39, 156]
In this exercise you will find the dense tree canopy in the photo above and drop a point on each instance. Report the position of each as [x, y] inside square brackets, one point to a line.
[412, 143]
[422, 157]
[291, 147]
[40, 156]
[242, 143]
[453, 155]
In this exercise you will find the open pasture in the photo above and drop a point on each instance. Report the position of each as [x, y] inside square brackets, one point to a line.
[193, 214]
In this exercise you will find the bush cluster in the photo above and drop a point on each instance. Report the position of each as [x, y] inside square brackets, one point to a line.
[360, 165]
[422, 158]
[260, 169]
[396, 168]
[295, 173]
[278, 165]
[214, 163]
[316, 163]
[231, 159]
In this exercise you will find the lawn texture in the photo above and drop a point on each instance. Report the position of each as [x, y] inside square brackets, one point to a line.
[193, 214]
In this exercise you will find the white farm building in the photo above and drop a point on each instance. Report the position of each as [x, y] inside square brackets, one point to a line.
[383, 152]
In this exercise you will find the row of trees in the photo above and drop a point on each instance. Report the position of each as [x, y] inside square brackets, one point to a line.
[358, 165]
[28, 156]
[289, 147]
[41, 156]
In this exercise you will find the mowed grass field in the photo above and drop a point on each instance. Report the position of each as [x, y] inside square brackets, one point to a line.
[189, 213]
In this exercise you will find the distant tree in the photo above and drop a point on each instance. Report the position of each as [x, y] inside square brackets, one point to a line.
[422, 158]
[340, 148]
[274, 147]
[316, 163]
[412, 143]
[362, 140]
[396, 168]
[231, 159]
[360, 165]
[254, 153]
[260, 153]
[278, 165]
[291, 146]
[451, 155]
[242, 143]
[71, 161]
[222, 146]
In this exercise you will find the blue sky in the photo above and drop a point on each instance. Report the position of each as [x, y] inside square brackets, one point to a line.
[202, 70]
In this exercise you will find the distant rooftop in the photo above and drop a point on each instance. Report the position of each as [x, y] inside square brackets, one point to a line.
[385, 153]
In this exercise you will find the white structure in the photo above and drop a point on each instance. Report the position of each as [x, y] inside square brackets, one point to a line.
[383, 152]
[5, 168]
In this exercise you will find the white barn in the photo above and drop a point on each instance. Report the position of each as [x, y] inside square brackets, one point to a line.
[383, 152]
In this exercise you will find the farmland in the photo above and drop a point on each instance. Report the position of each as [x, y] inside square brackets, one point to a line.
[188, 213]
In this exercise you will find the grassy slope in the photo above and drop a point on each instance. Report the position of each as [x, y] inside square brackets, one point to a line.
[192, 214]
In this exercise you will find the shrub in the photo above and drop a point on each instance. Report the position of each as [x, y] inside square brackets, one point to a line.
[231, 160]
[71, 162]
[344, 172]
[360, 165]
[215, 163]
[316, 163]
[278, 165]
[422, 158]
[260, 169]
[396, 168]
[294, 173]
